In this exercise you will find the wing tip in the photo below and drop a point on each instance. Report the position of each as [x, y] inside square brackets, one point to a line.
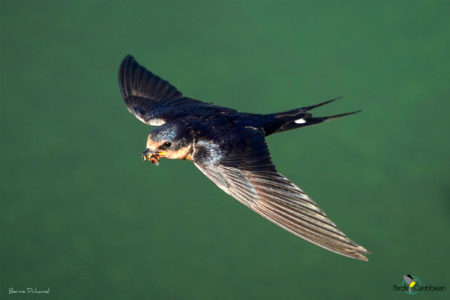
[126, 61]
[136, 80]
[124, 69]
[358, 252]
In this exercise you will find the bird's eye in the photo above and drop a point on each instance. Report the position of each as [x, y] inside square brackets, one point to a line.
[167, 144]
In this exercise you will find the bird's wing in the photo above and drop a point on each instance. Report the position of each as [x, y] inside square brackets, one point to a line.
[153, 100]
[246, 172]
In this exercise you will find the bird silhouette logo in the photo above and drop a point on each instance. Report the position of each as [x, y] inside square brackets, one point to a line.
[410, 281]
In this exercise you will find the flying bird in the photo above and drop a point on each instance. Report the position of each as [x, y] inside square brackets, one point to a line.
[229, 148]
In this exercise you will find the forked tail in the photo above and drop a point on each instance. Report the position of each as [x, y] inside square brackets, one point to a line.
[299, 117]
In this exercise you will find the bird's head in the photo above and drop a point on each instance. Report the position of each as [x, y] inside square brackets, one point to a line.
[171, 140]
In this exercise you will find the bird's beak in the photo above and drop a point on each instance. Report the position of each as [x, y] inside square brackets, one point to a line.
[152, 156]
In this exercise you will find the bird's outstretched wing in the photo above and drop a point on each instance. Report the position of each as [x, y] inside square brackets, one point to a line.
[246, 172]
[153, 100]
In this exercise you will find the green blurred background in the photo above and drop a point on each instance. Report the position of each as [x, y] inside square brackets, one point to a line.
[82, 215]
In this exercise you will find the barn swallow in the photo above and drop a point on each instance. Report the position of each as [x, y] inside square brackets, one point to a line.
[229, 148]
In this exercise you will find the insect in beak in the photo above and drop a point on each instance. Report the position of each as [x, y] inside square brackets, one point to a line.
[151, 156]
